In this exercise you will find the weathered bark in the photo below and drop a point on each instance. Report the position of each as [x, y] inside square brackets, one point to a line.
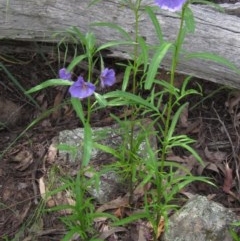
[216, 32]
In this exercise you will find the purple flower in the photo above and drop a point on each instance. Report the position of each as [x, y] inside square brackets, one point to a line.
[64, 74]
[107, 77]
[171, 5]
[81, 89]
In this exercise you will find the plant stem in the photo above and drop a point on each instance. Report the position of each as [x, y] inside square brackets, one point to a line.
[165, 142]
[135, 7]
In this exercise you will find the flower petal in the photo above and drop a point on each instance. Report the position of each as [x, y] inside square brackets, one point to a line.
[107, 77]
[171, 5]
[81, 89]
[64, 74]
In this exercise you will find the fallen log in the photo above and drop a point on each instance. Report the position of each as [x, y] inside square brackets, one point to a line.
[216, 32]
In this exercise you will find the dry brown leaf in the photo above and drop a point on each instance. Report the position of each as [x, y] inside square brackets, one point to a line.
[215, 156]
[42, 188]
[228, 179]
[105, 234]
[140, 191]
[52, 151]
[46, 123]
[116, 203]
[189, 195]
[61, 198]
[68, 111]
[24, 159]
[211, 196]
[208, 166]
[57, 101]
[212, 167]
[233, 101]
[160, 227]
[184, 117]
[193, 127]
[141, 233]
[119, 213]
[10, 112]
[175, 158]
[50, 203]
[41, 99]
[187, 162]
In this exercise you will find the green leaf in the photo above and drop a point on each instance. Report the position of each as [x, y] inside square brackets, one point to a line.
[167, 87]
[74, 31]
[213, 57]
[130, 219]
[209, 3]
[144, 53]
[100, 99]
[129, 98]
[236, 224]
[72, 150]
[48, 83]
[93, 2]
[77, 60]
[182, 182]
[126, 77]
[106, 149]
[193, 152]
[77, 105]
[18, 85]
[90, 42]
[114, 43]
[155, 63]
[155, 22]
[175, 120]
[114, 26]
[189, 20]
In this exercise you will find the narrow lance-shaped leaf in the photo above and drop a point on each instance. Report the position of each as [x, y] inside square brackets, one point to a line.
[155, 64]
[189, 20]
[126, 77]
[16, 82]
[213, 57]
[114, 43]
[77, 105]
[48, 83]
[76, 61]
[130, 98]
[175, 120]
[155, 22]
[114, 26]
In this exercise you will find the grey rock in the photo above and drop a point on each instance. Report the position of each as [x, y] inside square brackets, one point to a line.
[200, 220]
[110, 183]
[109, 187]
[73, 140]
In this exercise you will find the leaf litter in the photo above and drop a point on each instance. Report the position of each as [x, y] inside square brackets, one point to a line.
[26, 169]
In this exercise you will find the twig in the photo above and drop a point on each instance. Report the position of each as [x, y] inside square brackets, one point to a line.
[230, 140]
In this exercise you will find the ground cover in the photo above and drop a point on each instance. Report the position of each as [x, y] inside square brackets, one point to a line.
[30, 162]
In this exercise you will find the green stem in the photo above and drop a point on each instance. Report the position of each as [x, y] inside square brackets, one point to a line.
[90, 63]
[172, 79]
[135, 68]
[135, 7]
[165, 142]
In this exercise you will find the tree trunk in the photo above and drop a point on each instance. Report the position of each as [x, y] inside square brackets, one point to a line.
[216, 32]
